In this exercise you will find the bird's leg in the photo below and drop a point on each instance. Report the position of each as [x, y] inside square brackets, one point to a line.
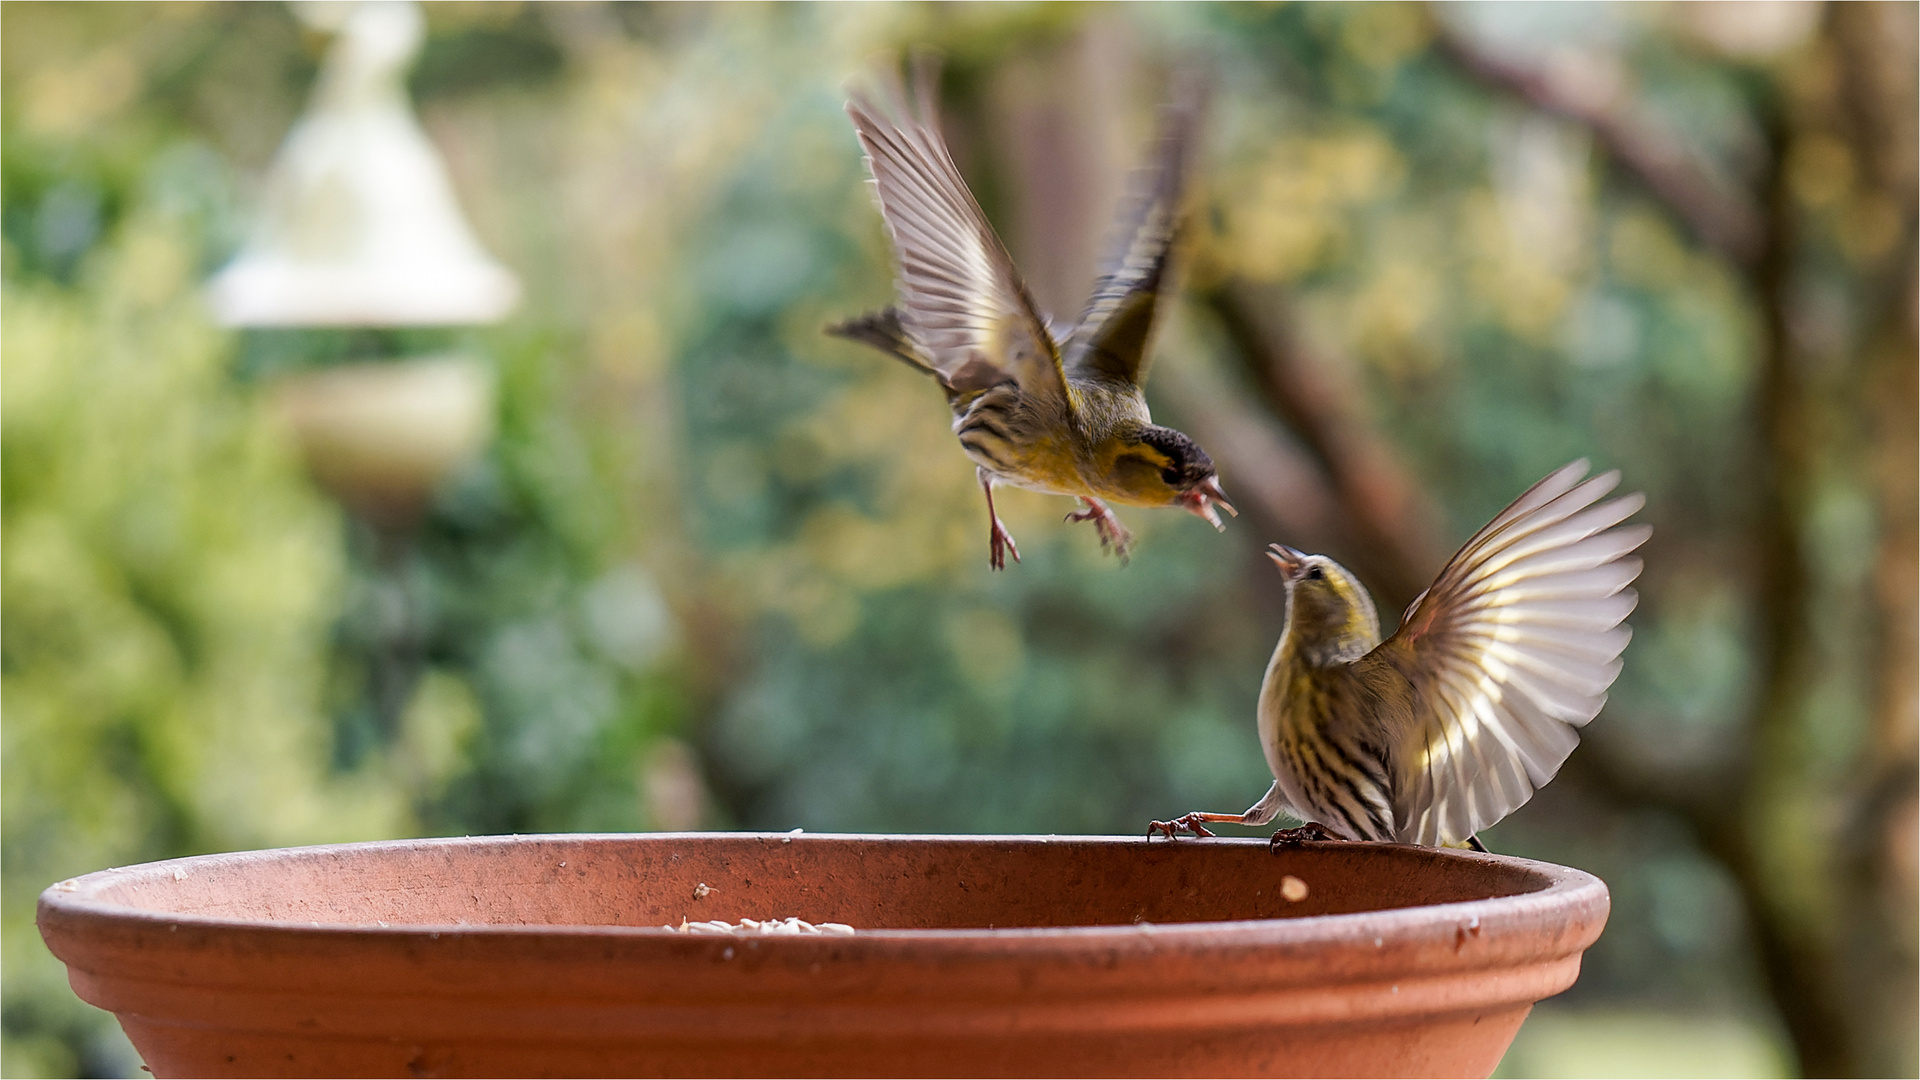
[1113, 535]
[1311, 832]
[1193, 823]
[999, 541]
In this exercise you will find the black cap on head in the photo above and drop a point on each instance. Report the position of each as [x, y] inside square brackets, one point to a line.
[1188, 465]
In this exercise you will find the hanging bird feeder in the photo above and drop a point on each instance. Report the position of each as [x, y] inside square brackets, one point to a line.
[360, 229]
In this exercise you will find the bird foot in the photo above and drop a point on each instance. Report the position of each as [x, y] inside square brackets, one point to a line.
[1170, 829]
[1311, 832]
[1114, 536]
[1000, 545]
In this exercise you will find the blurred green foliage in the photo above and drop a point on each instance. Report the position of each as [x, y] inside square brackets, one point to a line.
[718, 570]
[169, 582]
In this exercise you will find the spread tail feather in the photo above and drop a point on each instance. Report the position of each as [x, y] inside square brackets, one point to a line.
[883, 330]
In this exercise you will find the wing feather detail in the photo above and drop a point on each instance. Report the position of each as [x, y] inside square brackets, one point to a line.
[1110, 340]
[961, 299]
[1510, 653]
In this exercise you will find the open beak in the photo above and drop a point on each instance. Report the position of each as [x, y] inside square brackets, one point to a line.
[1290, 561]
[1201, 499]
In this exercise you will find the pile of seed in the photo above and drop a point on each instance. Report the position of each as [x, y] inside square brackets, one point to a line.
[756, 926]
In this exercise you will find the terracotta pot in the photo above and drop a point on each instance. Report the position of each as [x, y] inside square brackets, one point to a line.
[545, 955]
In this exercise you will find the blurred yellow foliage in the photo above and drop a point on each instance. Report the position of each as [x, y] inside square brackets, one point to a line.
[1514, 278]
[1382, 35]
[1390, 320]
[64, 99]
[1820, 168]
[1288, 216]
[1644, 252]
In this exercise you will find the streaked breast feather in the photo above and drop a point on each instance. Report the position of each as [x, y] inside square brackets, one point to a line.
[989, 430]
[1345, 780]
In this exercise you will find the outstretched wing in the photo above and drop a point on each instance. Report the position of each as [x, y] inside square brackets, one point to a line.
[1110, 341]
[1509, 654]
[961, 300]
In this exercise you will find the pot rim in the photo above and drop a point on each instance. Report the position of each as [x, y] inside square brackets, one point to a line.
[1559, 888]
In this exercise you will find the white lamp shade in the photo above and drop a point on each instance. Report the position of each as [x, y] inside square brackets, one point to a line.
[360, 226]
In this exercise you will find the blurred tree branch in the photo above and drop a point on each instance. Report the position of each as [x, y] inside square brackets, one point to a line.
[1735, 814]
[1802, 966]
[1878, 94]
[1739, 811]
[1387, 522]
[1353, 465]
[1589, 89]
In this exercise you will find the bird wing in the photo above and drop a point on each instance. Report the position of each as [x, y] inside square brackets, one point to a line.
[1110, 340]
[1509, 654]
[961, 299]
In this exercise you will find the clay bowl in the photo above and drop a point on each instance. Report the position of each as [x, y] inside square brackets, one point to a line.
[1034, 956]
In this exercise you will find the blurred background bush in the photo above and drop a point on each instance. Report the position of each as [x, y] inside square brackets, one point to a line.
[714, 570]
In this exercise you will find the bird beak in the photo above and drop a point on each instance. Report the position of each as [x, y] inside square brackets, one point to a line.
[1201, 499]
[1290, 561]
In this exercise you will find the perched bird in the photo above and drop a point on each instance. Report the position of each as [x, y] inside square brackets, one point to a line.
[1473, 704]
[1056, 413]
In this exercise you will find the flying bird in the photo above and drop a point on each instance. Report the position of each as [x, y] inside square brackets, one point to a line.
[1474, 702]
[1058, 412]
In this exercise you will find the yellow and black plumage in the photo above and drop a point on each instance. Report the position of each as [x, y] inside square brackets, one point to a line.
[1474, 702]
[1055, 413]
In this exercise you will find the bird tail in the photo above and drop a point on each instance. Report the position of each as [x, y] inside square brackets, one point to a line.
[883, 330]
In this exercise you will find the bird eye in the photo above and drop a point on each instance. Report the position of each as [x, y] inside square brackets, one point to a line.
[1314, 573]
[1171, 476]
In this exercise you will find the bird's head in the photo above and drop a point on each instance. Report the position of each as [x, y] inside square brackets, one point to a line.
[1165, 468]
[1329, 614]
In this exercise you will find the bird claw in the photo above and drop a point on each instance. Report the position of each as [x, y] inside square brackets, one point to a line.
[1170, 829]
[1114, 536]
[1000, 545]
[1310, 833]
